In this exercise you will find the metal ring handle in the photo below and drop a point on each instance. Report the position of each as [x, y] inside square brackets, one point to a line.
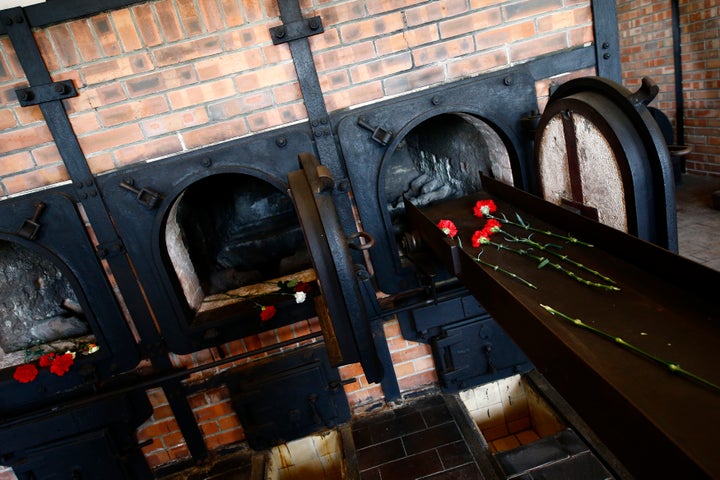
[369, 241]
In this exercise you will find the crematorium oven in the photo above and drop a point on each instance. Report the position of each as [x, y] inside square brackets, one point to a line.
[109, 279]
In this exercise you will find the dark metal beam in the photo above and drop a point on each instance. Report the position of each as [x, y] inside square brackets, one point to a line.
[607, 39]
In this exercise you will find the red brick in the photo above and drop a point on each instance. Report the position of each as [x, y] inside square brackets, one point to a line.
[22, 138]
[17, 162]
[336, 14]
[210, 12]
[209, 428]
[46, 50]
[84, 123]
[229, 422]
[229, 64]
[372, 27]
[434, 11]
[250, 37]
[418, 380]
[199, 94]
[169, 22]
[14, 64]
[189, 17]
[7, 119]
[354, 95]
[185, 51]
[154, 83]
[157, 457]
[128, 35]
[379, 6]
[470, 23]
[116, 68]
[367, 395]
[538, 46]
[109, 42]
[232, 13]
[383, 67]
[530, 8]
[215, 132]
[417, 350]
[253, 10]
[157, 397]
[174, 121]
[224, 438]
[291, 92]
[5, 73]
[148, 150]
[147, 25]
[85, 40]
[110, 138]
[564, 19]
[439, 52]
[64, 45]
[266, 77]
[47, 155]
[344, 56]
[133, 111]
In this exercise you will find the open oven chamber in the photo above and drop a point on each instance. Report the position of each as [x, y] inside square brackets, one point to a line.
[56, 296]
[208, 230]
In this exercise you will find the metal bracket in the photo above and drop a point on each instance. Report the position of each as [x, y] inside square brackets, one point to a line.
[288, 32]
[145, 196]
[49, 92]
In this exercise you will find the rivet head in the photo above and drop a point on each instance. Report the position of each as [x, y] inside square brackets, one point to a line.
[281, 142]
[280, 32]
[509, 80]
[436, 100]
[606, 55]
[206, 162]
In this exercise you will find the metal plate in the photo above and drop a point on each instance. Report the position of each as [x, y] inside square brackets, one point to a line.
[667, 306]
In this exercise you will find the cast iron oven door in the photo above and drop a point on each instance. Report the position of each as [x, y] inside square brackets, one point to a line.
[345, 325]
[600, 152]
[47, 226]
[145, 199]
[430, 145]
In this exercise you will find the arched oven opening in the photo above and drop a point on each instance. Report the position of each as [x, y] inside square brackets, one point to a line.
[40, 310]
[438, 159]
[236, 246]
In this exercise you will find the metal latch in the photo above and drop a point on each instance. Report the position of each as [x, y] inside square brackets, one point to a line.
[31, 226]
[147, 197]
[49, 92]
[379, 135]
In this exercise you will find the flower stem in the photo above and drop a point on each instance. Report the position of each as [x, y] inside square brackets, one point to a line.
[672, 366]
[565, 258]
[497, 268]
[526, 226]
[543, 262]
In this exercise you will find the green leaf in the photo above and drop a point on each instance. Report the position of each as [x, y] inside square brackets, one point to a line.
[544, 262]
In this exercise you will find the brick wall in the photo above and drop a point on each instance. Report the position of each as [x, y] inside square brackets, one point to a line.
[647, 50]
[168, 76]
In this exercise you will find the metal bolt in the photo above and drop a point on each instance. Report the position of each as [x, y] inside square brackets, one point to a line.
[206, 162]
[19, 19]
[436, 100]
[26, 95]
[314, 23]
[8, 21]
[509, 80]
[605, 45]
[59, 88]
[280, 32]
[281, 142]
[606, 55]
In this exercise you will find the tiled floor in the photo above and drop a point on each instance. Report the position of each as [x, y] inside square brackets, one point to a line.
[427, 439]
[698, 222]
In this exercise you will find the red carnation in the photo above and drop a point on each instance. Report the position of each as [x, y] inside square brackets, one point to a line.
[492, 226]
[25, 373]
[266, 313]
[303, 287]
[448, 227]
[480, 237]
[46, 360]
[484, 207]
[62, 363]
